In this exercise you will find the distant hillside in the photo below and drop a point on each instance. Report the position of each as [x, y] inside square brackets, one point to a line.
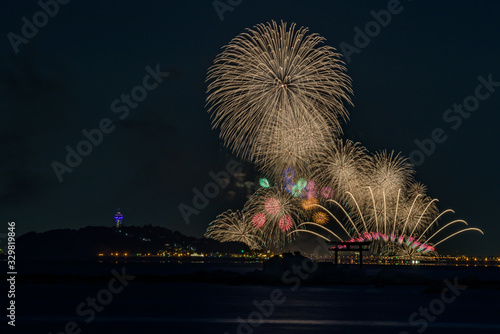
[86, 243]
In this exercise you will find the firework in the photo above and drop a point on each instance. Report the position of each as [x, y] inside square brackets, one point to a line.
[234, 226]
[285, 223]
[302, 188]
[291, 142]
[275, 78]
[311, 189]
[272, 206]
[259, 220]
[288, 174]
[416, 188]
[405, 232]
[276, 211]
[277, 95]
[310, 203]
[320, 218]
[342, 167]
[416, 213]
[327, 192]
[264, 183]
[389, 172]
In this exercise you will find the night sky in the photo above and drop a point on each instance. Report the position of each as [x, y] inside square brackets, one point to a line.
[66, 77]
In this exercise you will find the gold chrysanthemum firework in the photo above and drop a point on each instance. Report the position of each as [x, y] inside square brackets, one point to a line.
[235, 226]
[276, 77]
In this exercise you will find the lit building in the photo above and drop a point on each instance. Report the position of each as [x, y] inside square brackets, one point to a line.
[118, 219]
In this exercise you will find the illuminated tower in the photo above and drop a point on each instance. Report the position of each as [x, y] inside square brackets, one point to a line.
[118, 219]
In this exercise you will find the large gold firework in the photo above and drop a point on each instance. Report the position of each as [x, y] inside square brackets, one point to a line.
[273, 78]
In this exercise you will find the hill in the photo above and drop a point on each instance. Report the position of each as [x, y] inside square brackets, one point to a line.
[86, 243]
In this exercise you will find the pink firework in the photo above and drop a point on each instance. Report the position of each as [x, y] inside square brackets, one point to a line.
[285, 223]
[327, 192]
[259, 220]
[311, 189]
[429, 249]
[272, 205]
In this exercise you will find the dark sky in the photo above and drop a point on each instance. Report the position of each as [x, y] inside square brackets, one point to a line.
[427, 59]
